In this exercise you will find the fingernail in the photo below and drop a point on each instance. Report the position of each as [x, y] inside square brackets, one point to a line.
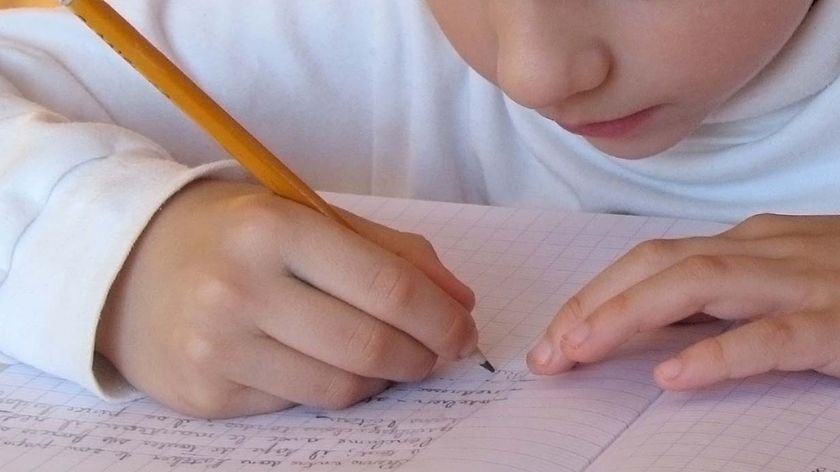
[471, 345]
[670, 369]
[542, 352]
[577, 336]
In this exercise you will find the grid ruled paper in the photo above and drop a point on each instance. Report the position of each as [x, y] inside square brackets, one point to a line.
[522, 265]
[776, 422]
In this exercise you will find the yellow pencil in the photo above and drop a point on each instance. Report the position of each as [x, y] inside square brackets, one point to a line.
[172, 82]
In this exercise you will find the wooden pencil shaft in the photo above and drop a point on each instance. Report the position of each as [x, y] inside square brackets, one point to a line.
[181, 90]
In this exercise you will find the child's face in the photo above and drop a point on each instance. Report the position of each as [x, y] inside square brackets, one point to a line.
[633, 77]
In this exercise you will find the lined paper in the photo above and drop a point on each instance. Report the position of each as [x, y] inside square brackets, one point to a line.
[522, 264]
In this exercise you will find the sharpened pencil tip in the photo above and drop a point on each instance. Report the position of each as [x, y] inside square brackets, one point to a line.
[478, 358]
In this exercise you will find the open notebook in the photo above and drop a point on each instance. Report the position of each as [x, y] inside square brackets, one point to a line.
[522, 265]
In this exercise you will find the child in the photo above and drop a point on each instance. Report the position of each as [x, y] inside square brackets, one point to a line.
[124, 266]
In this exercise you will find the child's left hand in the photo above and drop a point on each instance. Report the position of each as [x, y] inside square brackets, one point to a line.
[782, 273]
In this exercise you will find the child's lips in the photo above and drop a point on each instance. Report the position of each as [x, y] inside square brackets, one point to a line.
[616, 128]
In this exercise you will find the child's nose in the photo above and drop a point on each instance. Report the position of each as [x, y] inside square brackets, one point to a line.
[540, 63]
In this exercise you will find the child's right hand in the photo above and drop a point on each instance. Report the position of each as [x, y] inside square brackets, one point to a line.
[235, 301]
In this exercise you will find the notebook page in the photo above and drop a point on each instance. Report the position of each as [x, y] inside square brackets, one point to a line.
[522, 264]
[785, 422]
[561, 423]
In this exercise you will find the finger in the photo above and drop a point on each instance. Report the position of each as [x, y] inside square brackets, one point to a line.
[378, 282]
[637, 264]
[416, 250]
[724, 287]
[248, 401]
[241, 401]
[649, 258]
[327, 329]
[799, 249]
[791, 342]
[772, 225]
[643, 261]
[278, 370]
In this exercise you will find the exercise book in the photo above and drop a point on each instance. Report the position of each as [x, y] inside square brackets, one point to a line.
[522, 264]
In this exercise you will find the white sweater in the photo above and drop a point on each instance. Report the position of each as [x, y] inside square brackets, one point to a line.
[357, 95]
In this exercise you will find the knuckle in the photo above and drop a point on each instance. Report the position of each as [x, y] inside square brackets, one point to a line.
[554, 332]
[392, 286]
[653, 252]
[620, 304]
[773, 337]
[574, 309]
[757, 222]
[421, 243]
[201, 351]
[212, 294]
[212, 302]
[703, 267]
[258, 221]
[717, 353]
[776, 333]
[368, 346]
[813, 287]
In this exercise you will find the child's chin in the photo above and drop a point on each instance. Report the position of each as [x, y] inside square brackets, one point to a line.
[635, 147]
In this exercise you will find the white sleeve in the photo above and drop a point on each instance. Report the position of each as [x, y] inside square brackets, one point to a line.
[75, 193]
[77, 187]
[307, 77]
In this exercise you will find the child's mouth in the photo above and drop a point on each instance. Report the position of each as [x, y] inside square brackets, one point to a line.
[617, 128]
